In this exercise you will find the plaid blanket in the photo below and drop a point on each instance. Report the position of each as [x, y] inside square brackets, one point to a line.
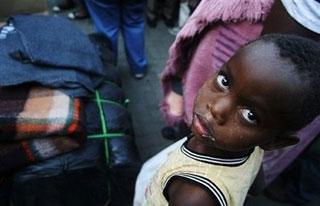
[37, 123]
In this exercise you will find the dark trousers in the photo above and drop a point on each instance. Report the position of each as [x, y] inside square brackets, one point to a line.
[167, 9]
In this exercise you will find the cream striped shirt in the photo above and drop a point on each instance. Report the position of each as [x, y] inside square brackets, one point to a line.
[228, 180]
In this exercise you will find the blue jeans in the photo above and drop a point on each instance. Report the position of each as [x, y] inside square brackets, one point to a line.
[111, 16]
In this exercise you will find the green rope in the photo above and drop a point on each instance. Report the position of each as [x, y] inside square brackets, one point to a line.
[99, 100]
[105, 132]
[126, 101]
[103, 124]
[110, 102]
[105, 136]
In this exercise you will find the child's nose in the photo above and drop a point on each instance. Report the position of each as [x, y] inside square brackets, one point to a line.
[220, 109]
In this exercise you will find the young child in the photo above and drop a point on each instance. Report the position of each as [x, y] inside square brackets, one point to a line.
[265, 93]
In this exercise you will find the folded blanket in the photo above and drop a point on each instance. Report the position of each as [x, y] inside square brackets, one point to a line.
[16, 155]
[57, 42]
[21, 62]
[33, 112]
[37, 123]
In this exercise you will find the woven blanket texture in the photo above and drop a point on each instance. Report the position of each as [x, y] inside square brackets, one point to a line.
[37, 123]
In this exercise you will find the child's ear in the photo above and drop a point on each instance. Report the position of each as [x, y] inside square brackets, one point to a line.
[287, 140]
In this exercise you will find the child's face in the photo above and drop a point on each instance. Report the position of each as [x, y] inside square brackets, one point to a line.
[249, 102]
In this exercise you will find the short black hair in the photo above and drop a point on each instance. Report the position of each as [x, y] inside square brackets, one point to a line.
[304, 53]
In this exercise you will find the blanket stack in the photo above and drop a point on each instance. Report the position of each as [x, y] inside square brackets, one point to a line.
[59, 88]
[47, 64]
[37, 123]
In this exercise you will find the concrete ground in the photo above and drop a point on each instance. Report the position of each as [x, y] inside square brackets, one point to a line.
[145, 95]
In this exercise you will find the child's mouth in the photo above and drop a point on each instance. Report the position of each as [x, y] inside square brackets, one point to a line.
[201, 125]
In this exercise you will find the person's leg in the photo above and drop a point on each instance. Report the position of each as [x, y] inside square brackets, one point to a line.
[193, 4]
[63, 5]
[152, 12]
[170, 12]
[106, 18]
[133, 35]
[81, 12]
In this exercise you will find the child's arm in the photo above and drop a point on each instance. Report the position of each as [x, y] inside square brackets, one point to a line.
[186, 193]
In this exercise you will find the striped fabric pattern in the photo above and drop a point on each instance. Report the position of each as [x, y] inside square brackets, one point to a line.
[213, 160]
[34, 112]
[305, 12]
[37, 123]
[227, 179]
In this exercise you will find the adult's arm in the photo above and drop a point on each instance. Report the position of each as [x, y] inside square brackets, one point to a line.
[280, 21]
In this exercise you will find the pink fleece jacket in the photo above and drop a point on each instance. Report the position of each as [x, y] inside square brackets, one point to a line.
[229, 21]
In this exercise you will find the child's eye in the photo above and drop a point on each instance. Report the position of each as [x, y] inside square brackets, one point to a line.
[222, 81]
[248, 116]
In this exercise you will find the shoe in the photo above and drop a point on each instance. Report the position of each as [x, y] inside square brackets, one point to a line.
[174, 30]
[169, 22]
[138, 75]
[63, 6]
[56, 9]
[78, 15]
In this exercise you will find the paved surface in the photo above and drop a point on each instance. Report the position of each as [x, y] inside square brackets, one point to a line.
[146, 94]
